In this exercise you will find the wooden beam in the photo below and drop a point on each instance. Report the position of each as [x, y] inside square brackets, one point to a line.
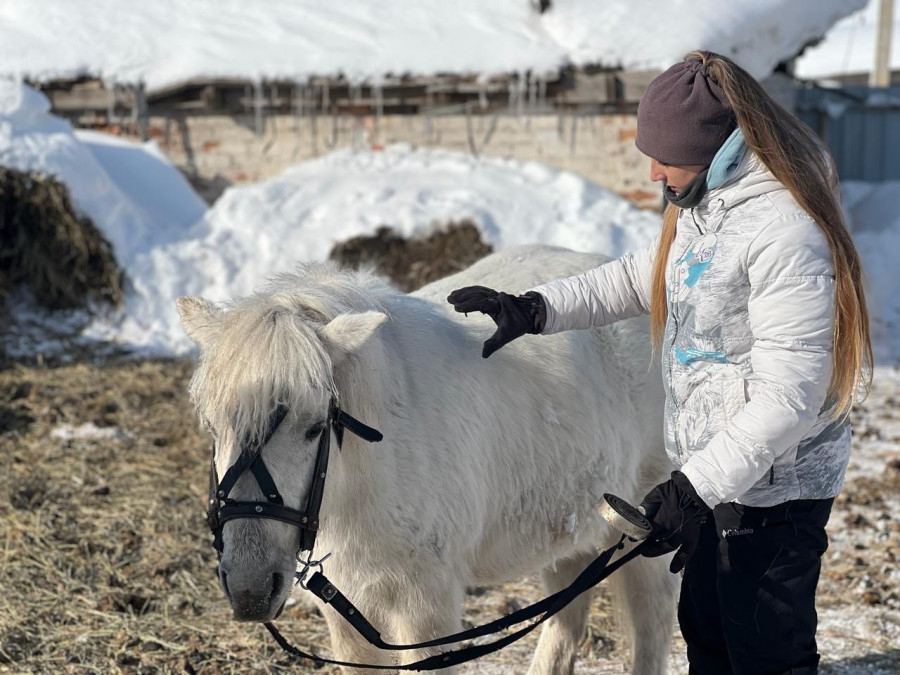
[881, 72]
[81, 99]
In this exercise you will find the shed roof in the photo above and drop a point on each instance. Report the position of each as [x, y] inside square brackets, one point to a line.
[166, 42]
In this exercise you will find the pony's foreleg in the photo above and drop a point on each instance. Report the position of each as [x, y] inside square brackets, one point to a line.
[561, 635]
[348, 645]
[645, 592]
[435, 614]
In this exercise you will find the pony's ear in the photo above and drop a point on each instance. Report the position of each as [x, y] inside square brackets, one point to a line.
[346, 333]
[199, 317]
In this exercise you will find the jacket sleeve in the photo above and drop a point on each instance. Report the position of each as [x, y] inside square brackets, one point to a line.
[618, 290]
[791, 313]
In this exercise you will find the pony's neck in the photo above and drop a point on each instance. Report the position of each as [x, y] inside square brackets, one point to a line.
[377, 386]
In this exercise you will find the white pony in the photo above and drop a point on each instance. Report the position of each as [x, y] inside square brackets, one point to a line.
[489, 469]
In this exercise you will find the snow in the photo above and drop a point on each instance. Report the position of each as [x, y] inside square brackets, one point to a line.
[649, 35]
[849, 47]
[257, 230]
[129, 190]
[873, 216]
[87, 432]
[168, 42]
[170, 245]
[134, 167]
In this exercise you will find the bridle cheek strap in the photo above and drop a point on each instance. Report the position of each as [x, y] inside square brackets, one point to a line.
[222, 508]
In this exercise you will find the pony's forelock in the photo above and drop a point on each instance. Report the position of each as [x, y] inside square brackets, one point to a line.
[267, 352]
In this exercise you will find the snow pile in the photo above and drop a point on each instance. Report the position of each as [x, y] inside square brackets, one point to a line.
[258, 230]
[849, 47]
[169, 42]
[130, 191]
[873, 215]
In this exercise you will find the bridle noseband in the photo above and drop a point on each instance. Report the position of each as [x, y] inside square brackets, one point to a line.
[222, 508]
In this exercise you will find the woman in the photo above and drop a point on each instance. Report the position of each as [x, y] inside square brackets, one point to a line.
[756, 305]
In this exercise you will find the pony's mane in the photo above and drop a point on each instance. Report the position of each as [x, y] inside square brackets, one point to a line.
[267, 351]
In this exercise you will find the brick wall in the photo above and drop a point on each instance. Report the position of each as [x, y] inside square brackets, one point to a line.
[218, 150]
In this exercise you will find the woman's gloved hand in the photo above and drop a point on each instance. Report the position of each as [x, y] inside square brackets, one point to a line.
[677, 513]
[514, 315]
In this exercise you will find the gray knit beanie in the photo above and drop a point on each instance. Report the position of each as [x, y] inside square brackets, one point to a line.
[684, 116]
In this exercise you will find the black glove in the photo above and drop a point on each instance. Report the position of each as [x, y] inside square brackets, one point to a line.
[677, 513]
[514, 315]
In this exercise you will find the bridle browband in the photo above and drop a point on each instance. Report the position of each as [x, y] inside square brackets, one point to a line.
[222, 508]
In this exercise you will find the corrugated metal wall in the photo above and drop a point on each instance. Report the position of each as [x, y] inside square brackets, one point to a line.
[861, 127]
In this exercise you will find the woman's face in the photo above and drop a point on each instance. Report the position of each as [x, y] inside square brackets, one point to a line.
[676, 176]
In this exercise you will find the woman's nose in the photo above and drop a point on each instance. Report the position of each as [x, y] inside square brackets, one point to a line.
[656, 170]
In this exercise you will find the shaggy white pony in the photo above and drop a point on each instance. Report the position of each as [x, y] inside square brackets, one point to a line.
[489, 469]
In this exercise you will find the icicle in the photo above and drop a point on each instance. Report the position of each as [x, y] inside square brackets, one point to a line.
[520, 94]
[532, 93]
[258, 107]
[379, 108]
[572, 143]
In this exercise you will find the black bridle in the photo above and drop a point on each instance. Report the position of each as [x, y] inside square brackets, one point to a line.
[222, 508]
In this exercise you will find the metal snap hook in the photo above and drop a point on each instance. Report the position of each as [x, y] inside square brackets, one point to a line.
[309, 564]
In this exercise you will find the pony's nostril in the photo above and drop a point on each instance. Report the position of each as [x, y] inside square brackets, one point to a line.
[277, 583]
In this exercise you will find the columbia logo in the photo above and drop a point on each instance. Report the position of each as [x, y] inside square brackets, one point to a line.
[736, 533]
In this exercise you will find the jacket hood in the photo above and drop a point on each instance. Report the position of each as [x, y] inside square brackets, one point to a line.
[750, 179]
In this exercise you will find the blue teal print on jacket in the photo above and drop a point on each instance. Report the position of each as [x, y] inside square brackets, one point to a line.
[697, 258]
[688, 356]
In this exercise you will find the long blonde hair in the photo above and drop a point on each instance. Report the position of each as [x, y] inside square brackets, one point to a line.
[794, 155]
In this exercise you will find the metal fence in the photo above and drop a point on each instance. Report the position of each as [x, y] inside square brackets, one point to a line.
[861, 127]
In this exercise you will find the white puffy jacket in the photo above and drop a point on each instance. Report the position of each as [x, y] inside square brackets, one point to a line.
[747, 351]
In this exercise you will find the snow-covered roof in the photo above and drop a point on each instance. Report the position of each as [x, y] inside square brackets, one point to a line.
[167, 42]
[849, 47]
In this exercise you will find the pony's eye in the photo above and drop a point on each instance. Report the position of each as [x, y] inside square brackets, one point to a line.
[313, 432]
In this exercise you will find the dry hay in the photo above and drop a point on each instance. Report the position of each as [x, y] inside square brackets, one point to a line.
[61, 256]
[411, 263]
[106, 563]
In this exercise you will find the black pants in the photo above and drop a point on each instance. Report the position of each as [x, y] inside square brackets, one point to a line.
[748, 594]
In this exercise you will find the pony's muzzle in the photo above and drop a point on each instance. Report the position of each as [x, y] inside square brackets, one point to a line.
[256, 597]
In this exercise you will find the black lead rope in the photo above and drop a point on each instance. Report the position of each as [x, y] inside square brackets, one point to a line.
[593, 574]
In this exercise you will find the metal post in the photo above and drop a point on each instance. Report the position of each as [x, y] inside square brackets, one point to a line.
[140, 112]
[881, 73]
[258, 107]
